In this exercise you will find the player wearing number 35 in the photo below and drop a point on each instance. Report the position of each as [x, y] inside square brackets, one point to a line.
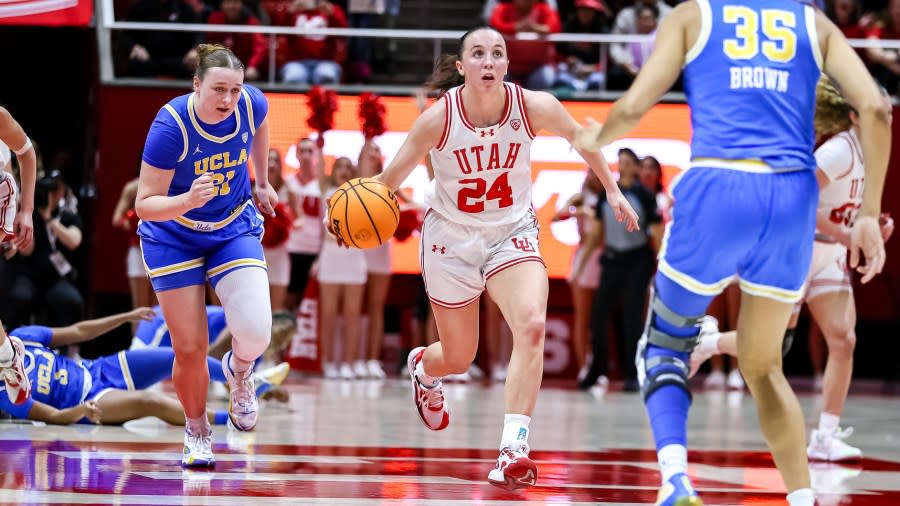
[199, 222]
[481, 232]
[747, 206]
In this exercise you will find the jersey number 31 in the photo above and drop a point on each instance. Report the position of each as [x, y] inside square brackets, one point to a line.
[780, 44]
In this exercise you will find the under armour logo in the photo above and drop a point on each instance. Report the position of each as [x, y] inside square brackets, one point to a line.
[523, 244]
[487, 132]
[197, 149]
[441, 250]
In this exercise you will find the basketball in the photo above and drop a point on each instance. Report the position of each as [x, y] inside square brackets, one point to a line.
[364, 213]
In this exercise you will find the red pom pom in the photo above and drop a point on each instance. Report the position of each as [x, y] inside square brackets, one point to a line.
[410, 221]
[322, 106]
[371, 115]
[278, 227]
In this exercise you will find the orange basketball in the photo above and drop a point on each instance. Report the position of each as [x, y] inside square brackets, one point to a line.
[364, 213]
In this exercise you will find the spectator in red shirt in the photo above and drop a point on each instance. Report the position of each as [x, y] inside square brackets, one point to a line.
[314, 59]
[530, 61]
[886, 62]
[249, 47]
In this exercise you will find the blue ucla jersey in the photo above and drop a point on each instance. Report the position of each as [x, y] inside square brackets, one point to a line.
[178, 140]
[155, 334]
[56, 380]
[750, 82]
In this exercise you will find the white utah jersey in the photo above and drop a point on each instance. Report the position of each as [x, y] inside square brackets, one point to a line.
[308, 238]
[840, 158]
[483, 175]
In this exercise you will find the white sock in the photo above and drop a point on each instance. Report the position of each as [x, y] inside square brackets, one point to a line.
[802, 497]
[424, 379]
[198, 425]
[240, 367]
[672, 460]
[515, 430]
[6, 353]
[828, 423]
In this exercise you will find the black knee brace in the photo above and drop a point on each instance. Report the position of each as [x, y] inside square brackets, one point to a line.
[787, 342]
[659, 371]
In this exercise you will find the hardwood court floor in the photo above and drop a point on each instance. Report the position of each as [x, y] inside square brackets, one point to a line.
[362, 443]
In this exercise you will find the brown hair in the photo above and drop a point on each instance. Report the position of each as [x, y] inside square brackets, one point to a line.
[215, 55]
[445, 74]
[832, 111]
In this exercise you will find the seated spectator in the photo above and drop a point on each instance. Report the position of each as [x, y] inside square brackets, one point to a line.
[161, 53]
[647, 19]
[249, 47]
[886, 62]
[847, 16]
[42, 277]
[581, 68]
[622, 68]
[490, 5]
[364, 14]
[531, 62]
[314, 59]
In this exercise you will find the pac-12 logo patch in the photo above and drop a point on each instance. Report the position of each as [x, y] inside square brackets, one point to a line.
[515, 124]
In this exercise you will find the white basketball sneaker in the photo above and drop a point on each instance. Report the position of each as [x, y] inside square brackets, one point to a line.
[430, 402]
[243, 406]
[14, 377]
[831, 447]
[514, 469]
[197, 450]
[375, 369]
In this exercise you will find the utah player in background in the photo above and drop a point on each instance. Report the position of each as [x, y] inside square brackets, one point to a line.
[747, 205]
[18, 226]
[199, 222]
[481, 231]
[829, 293]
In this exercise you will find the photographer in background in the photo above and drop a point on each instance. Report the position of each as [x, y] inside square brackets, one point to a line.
[42, 277]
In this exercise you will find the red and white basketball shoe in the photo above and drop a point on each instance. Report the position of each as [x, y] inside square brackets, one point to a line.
[18, 386]
[514, 469]
[430, 402]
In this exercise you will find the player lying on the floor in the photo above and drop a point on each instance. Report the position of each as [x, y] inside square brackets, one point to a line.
[107, 390]
[153, 333]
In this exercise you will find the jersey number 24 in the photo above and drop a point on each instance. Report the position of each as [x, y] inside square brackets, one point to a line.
[780, 41]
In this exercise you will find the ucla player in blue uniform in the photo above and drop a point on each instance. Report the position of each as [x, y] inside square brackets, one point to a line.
[199, 222]
[746, 207]
[154, 333]
[107, 390]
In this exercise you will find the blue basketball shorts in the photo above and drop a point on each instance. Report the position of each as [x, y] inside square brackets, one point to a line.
[183, 252]
[756, 226]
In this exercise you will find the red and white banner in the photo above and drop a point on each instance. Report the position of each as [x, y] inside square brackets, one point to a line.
[46, 12]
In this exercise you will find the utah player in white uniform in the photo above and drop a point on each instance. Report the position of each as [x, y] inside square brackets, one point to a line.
[481, 231]
[18, 227]
[828, 292]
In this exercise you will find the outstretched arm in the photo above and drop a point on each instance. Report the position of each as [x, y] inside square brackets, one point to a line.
[89, 329]
[48, 414]
[545, 112]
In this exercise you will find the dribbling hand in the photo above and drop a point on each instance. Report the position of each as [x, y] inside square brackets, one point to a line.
[588, 137]
[623, 210]
[266, 198]
[202, 191]
[866, 238]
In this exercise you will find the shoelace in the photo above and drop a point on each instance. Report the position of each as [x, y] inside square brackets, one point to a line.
[433, 397]
[243, 394]
[9, 375]
[842, 434]
[200, 443]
